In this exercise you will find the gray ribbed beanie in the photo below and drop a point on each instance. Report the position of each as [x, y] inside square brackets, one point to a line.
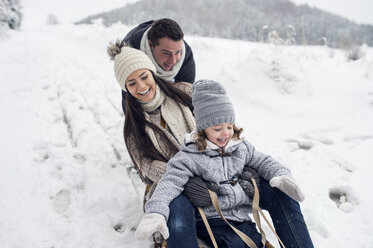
[211, 104]
[130, 60]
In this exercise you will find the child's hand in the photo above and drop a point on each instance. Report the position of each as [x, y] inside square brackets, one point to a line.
[288, 185]
[151, 223]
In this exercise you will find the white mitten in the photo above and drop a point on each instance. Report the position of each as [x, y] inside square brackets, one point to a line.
[288, 185]
[151, 223]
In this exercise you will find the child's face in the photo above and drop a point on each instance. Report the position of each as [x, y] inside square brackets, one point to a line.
[220, 134]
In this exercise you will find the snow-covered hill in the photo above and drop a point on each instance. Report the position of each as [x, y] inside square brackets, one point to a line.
[66, 180]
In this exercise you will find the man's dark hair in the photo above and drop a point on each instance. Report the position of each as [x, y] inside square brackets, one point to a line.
[165, 27]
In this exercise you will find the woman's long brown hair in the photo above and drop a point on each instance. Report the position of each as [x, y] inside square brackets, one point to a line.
[135, 123]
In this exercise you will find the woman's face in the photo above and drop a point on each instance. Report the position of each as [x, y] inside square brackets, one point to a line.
[141, 85]
[220, 134]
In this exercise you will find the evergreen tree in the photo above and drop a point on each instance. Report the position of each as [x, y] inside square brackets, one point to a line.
[10, 14]
[279, 21]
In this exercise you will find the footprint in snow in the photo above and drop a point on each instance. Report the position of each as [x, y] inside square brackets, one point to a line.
[345, 165]
[119, 227]
[61, 201]
[343, 198]
[302, 144]
[80, 157]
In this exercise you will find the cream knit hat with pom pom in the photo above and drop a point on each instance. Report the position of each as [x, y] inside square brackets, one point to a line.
[130, 60]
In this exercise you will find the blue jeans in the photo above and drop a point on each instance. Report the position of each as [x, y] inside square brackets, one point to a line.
[286, 215]
[182, 224]
[225, 236]
[285, 212]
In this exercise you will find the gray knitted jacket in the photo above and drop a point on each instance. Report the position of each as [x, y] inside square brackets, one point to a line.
[214, 167]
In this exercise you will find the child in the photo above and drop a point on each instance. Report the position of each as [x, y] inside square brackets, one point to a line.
[216, 153]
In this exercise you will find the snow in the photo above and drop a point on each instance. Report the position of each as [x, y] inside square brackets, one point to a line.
[66, 179]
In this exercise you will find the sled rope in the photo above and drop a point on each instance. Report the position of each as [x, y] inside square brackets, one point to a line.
[208, 227]
[255, 207]
[271, 227]
[243, 236]
[256, 210]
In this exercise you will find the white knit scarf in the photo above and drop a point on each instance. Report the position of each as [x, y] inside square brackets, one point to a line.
[166, 75]
[177, 116]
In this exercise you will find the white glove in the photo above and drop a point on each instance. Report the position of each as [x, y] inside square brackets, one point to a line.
[288, 185]
[151, 223]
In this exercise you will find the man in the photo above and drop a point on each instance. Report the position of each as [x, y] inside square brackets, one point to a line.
[162, 40]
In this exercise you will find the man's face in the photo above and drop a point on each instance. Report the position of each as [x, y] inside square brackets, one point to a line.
[167, 52]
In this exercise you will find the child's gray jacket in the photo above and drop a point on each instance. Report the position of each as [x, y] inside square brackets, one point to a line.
[216, 167]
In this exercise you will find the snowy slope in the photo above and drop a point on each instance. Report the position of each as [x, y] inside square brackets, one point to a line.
[66, 178]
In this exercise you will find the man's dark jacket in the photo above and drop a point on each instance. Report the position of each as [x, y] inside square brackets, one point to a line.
[187, 72]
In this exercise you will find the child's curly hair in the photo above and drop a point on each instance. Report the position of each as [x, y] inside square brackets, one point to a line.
[201, 137]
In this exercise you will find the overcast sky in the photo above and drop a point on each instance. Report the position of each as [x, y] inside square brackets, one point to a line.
[356, 10]
[36, 11]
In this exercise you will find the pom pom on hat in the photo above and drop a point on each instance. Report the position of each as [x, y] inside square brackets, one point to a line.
[130, 60]
[211, 104]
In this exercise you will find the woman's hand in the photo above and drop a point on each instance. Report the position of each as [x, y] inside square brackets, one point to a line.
[151, 223]
[288, 185]
[196, 189]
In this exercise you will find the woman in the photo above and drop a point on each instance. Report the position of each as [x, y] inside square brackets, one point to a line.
[158, 114]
